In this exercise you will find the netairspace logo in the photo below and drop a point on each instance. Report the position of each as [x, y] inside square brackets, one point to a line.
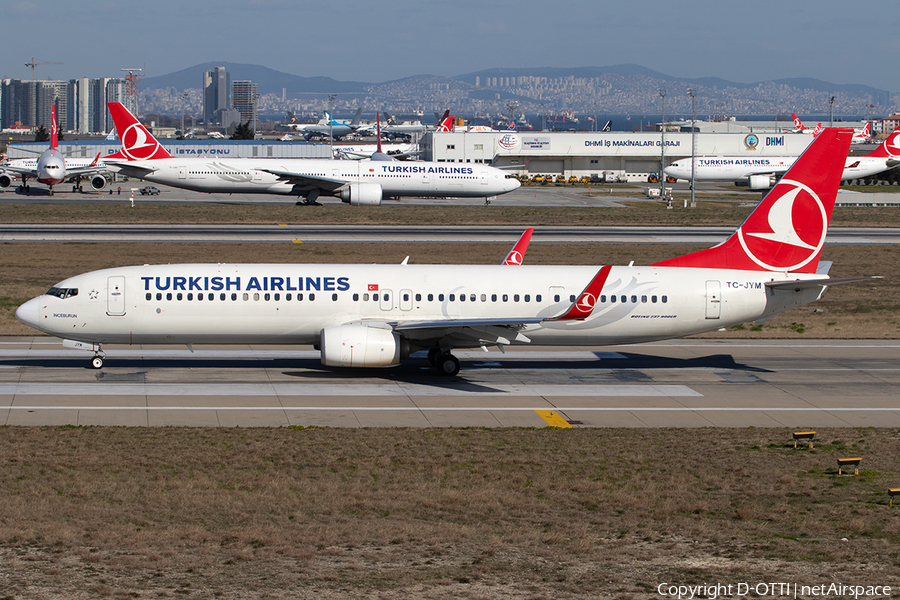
[771, 590]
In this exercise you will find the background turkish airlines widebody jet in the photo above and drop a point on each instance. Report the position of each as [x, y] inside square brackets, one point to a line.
[357, 182]
[375, 315]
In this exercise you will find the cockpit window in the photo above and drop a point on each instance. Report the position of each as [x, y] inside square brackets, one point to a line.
[62, 292]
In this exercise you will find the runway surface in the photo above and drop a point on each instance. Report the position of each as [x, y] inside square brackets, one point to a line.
[687, 383]
[346, 234]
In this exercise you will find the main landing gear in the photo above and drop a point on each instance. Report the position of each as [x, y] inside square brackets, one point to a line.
[97, 361]
[444, 362]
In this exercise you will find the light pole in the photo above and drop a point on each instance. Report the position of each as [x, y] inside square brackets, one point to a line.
[662, 161]
[331, 98]
[693, 94]
[831, 111]
[184, 97]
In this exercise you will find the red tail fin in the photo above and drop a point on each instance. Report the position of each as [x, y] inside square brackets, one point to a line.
[54, 133]
[137, 142]
[517, 254]
[446, 123]
[889, 148]
[787, 230]
[797, 122]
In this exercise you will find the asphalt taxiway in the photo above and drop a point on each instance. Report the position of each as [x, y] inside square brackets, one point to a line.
[683, 383]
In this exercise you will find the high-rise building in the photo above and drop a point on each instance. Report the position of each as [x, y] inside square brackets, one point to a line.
[216, 93]
[244, 96]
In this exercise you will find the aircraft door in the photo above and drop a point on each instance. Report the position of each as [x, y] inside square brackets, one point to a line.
[558, 295]
[406, 299]
[713, 299]
[115, 296]
[182, 172]
[386, 300]
[257, 175]
[426, 178]
[484, 178]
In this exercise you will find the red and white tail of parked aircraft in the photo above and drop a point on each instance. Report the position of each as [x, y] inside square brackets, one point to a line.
[799, 127]
[51, 167]
[863, 136]
[371, 315]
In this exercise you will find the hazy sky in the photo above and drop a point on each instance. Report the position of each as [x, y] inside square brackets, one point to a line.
[380, 40]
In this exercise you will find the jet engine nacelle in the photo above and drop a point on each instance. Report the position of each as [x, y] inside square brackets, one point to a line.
[360, 345]
[761, 182]
[98, 182]
[361, 194]
[5, 180]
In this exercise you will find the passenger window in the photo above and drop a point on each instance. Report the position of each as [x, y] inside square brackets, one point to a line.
[505, 298]
[256, 296]
[178, 296]
[537, 298]
[665, 299]
[440, 297]
[406, 297]
[355, 297]
[288, 297]
[572, 298]
[149, 296]
[471, 297]
[527, 297]
[493, 297]
[159, 295]
[556, 298]
[418, 297]
[644, 299]
[515, 297]
[430, 297]
[299, 297]
[212, 296]
[462, 297]
[222, 296]
[375, 297]
[452, 297]
[484, 297]
[603, 299]
[246, 296]
[233, 297]
[386, 297]
[653, 299]
[334, 297]
[612, 299]
[190, 296]
[624, 298]
[277, 297]
[312, 297]
[634, 299]
[267, 296]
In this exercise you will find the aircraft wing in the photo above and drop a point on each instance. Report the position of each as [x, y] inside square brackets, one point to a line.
[19, 170]
[131, 169]
[307, 181]
[86, 170]
[477, 331]
[770, 172]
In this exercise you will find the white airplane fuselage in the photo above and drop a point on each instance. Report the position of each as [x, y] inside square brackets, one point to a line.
[732, 168]
[294, 303]
[396, 178]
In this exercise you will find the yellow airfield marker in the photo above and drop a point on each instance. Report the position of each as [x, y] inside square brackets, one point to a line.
[553, 419]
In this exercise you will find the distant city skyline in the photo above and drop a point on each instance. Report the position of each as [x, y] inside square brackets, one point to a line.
[379, 42]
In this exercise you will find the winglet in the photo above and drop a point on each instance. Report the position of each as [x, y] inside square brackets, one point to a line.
[517, 254]
[583, 306]
[137, 142]
[786, 231]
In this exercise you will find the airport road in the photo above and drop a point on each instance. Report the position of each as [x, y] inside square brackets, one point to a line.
[98, 233]
[682, 383]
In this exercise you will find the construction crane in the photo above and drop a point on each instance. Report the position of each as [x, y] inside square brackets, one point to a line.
[33, 64]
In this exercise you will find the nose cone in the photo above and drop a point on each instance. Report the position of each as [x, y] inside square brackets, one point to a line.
[29, 313]
[513, 184]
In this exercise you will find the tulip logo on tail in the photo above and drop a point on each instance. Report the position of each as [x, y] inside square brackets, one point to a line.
[137, 142]
[514, 258]
[790, 234]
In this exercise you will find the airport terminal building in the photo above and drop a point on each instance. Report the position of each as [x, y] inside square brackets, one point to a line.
[615, 155]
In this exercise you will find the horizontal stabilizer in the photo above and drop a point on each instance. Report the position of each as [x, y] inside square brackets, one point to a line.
[802, 284]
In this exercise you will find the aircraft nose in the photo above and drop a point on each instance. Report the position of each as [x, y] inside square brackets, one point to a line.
[29, 313]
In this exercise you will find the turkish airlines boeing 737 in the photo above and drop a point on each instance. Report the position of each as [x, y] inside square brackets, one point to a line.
[376, 315]
[760, 173]
[358, 182]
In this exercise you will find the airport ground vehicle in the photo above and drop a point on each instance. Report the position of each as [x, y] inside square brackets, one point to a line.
[149, 190]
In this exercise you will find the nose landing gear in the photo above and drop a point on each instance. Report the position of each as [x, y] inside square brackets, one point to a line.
[97, 361]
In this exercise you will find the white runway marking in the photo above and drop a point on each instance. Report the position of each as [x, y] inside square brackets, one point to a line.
[331, 389]
[468, 408]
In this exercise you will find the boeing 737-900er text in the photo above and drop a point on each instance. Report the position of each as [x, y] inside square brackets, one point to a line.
[358, 182]
[761, 173]
[51, 167]
[368, 315]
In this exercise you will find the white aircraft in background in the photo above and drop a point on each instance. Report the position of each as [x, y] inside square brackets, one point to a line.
[328, 127]
[51, 167]
[761, 173]
[369, 315]
[357, 182]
